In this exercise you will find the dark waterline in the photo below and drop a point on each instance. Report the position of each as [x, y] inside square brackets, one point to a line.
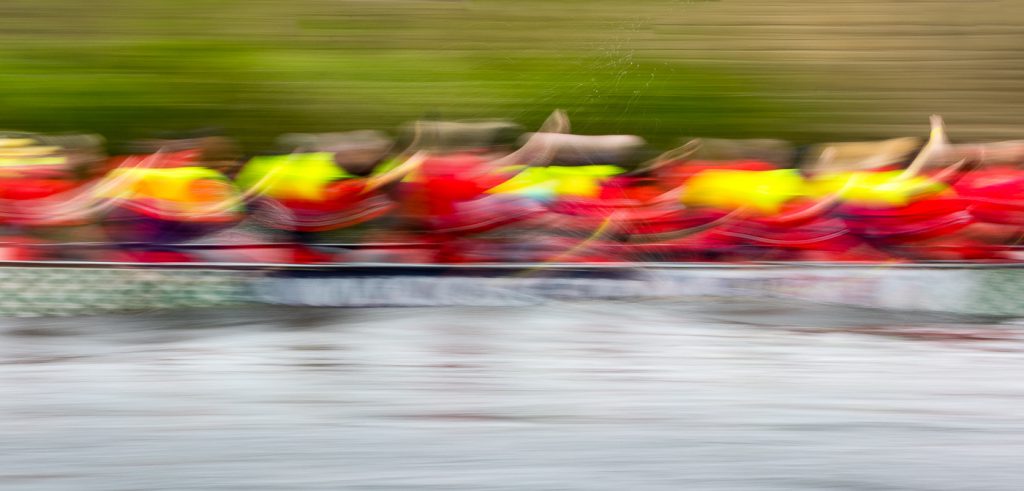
[580, 396]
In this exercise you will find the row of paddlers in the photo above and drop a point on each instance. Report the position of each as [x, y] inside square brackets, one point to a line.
[459, 192]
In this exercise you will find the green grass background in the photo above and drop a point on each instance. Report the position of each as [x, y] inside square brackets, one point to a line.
[661, 69]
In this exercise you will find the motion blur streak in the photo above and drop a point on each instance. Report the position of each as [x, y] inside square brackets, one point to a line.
[585, 396]
[797, 69]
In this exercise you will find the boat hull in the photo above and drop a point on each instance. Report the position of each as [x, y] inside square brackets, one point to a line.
[69, 288]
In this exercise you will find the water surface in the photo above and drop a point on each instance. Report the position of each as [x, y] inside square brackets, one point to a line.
[569, 396]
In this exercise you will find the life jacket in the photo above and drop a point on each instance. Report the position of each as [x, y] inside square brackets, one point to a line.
[167, 205]
[28, 201]
[449, 195]
[548, 183]
[187, 194]
[766, 210]
[676, 174]
[15, 188]
[887, 207]
[589, 199]
[757, 193]
[994, 195]
[443, 182]
[303, 177]
[888, 189]
[308, 192]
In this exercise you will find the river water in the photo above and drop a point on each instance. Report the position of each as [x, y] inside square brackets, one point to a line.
[565, 396]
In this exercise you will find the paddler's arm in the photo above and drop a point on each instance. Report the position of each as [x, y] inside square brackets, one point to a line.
[396, 173]
[537, 150]
[683, 152]
[936, 145]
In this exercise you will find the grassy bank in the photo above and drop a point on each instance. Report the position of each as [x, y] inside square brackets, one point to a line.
[662, 69]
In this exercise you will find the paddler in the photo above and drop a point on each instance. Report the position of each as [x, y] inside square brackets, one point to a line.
[443, 188]
[321, 187]
[904, 212]
[743, 203]
[147, 210]
[40, 175]
[989, 179]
